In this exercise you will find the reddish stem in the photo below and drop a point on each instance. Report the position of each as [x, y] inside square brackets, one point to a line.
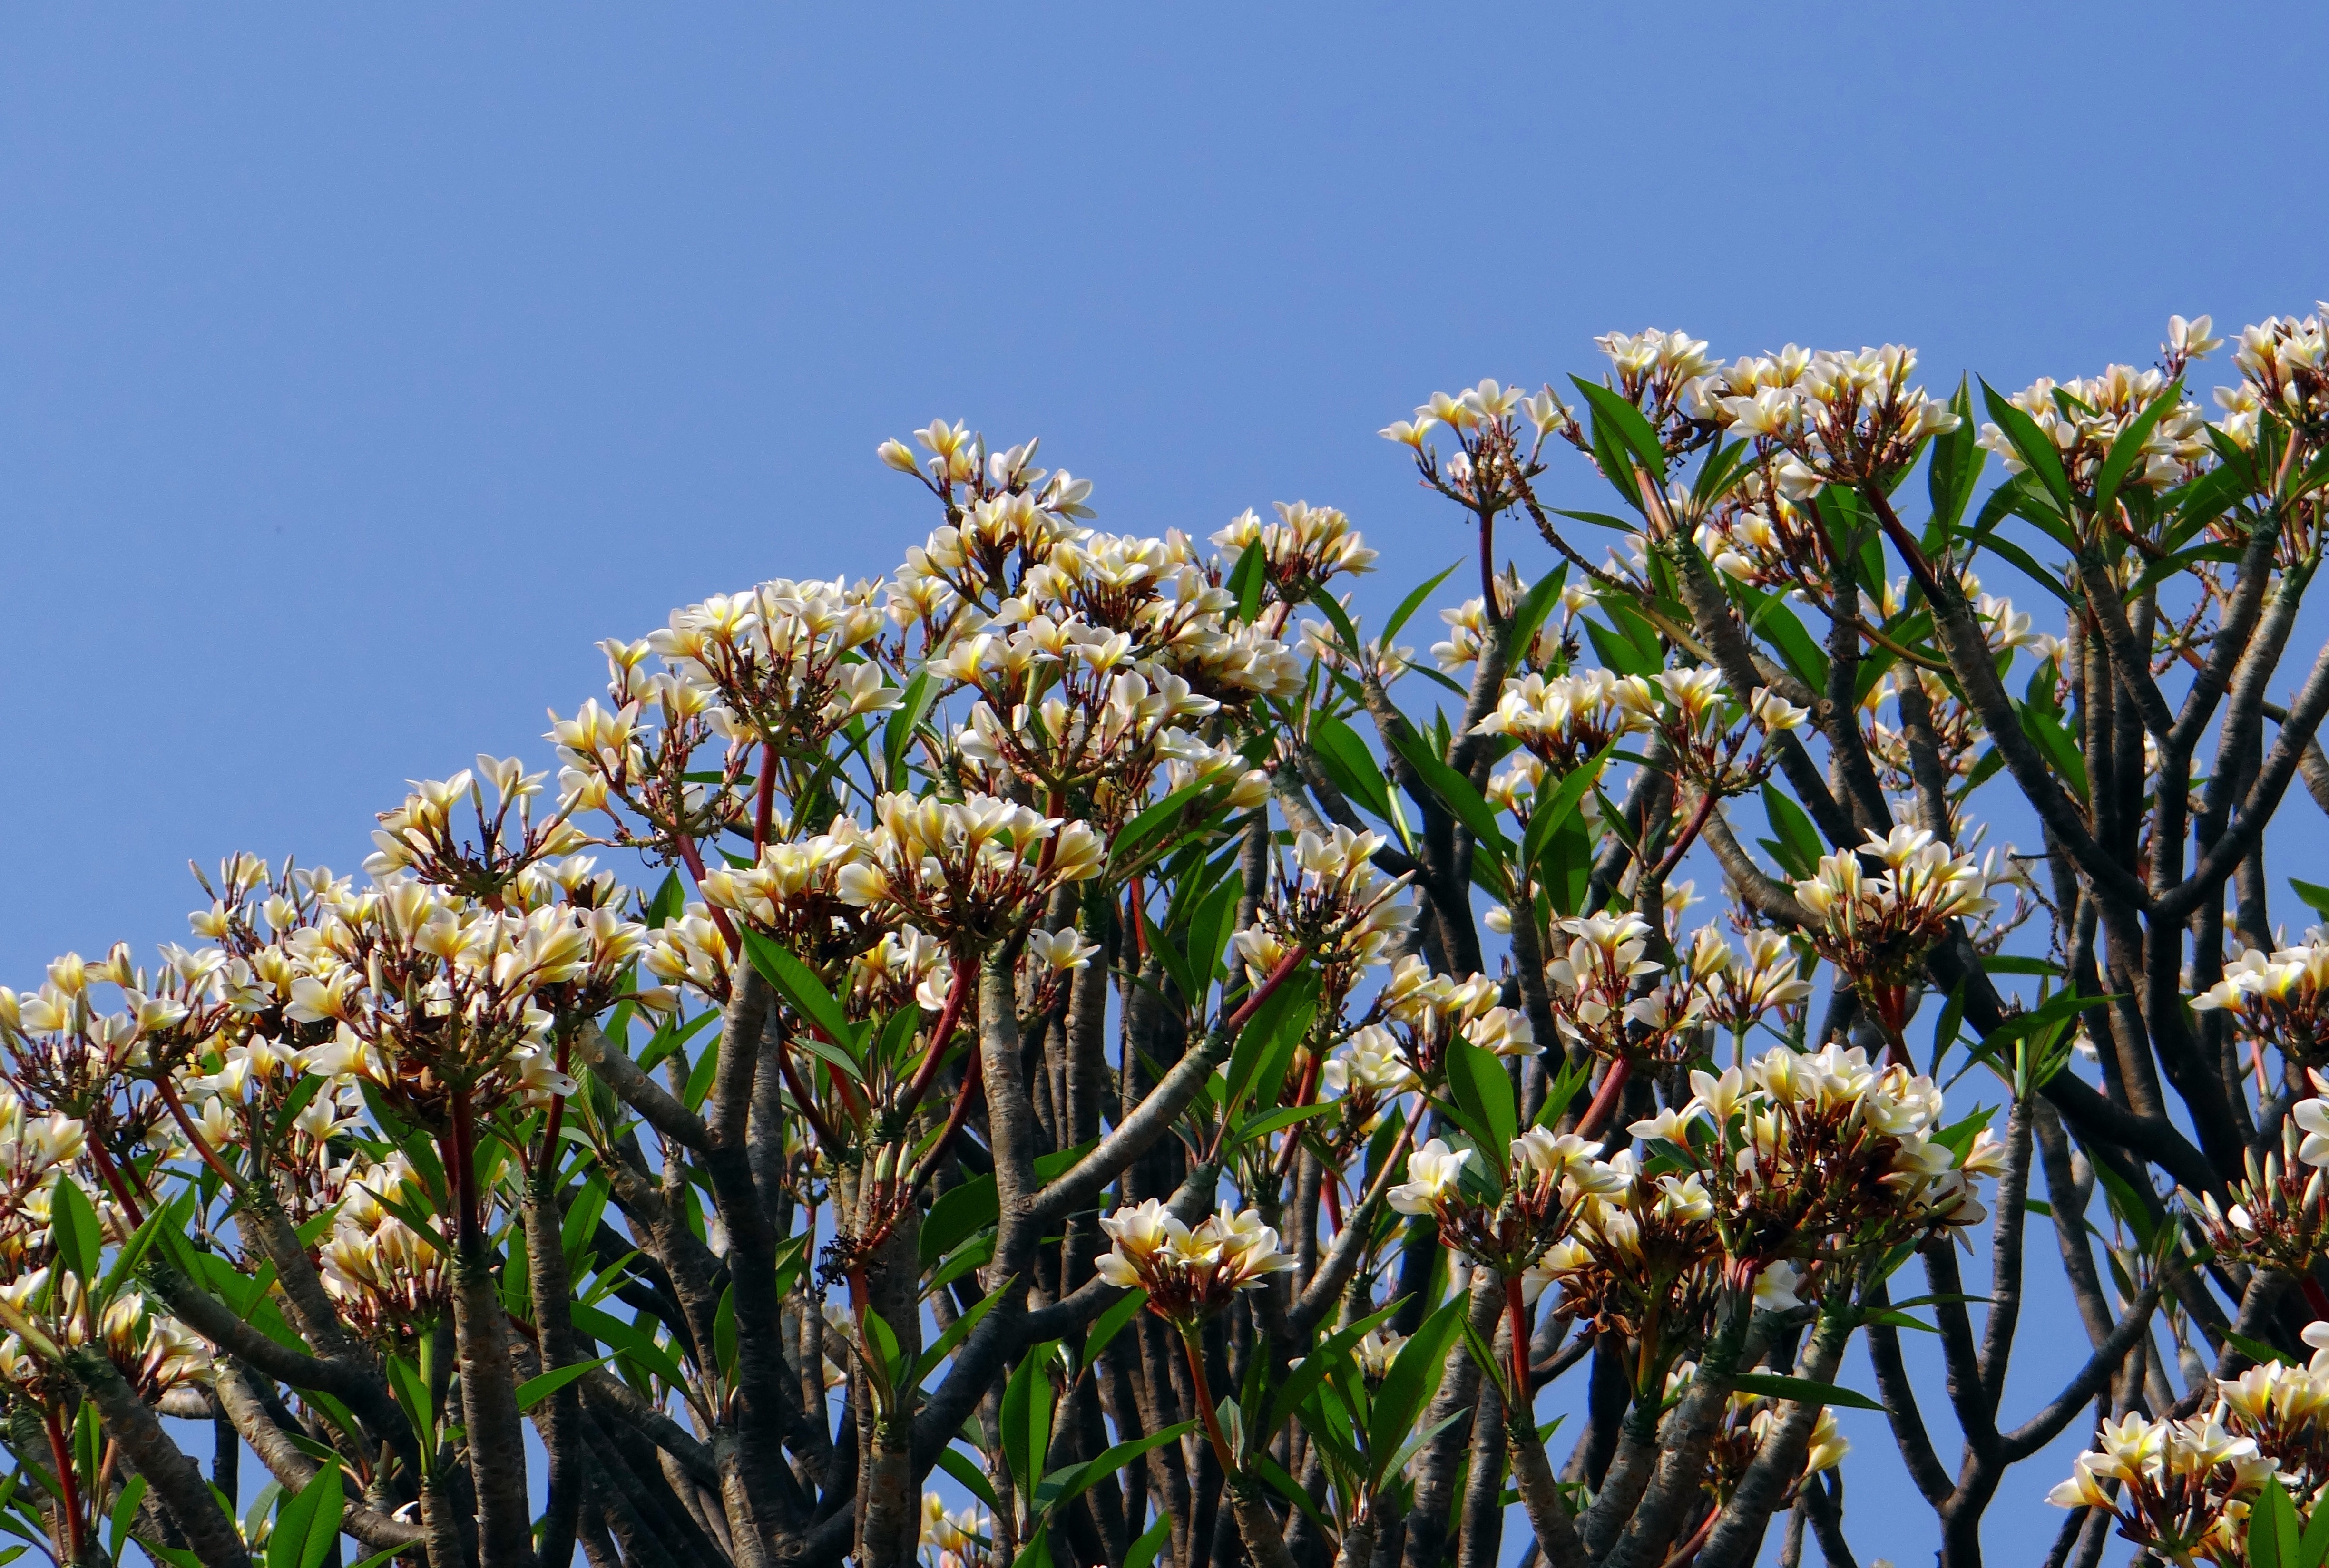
[555, 1118]
[111, 1175]
[764, 802]
[201, 1146]
[1605, 1098]
[61, 1451]
[1205, 1393]
[958, 992]
[2316, 1297]
[695, 863]
[461, 1165]
[1521, 1409]
[1681, 846]
[1134, 920]
[1261, 993]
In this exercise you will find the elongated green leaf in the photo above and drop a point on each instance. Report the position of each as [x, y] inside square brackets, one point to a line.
[1058, 1492]
[1247, 579]
[1413, 1379]
[80, 1239]
[964, 1469]
[1483, 1091]
[800, 987]
[1556, 805]
[959, 1329]
[1453, 788]
[2126, 447]
[2029, 442]
[1296, 1385]
[1412, 603]
[1112, 1322]
[1954, 467]
[1152, 821]
[308, 1523]
[1533, 607]
[2273, 1530]
[1159, 1535]
[1803, 1390]
[1630, 425]
[627, 1339]
[1349, 763]
[1277, 1120]
[898, 734]
[536, 1389]
[1027, 1418]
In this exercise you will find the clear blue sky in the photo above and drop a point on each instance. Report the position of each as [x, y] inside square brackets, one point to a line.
[359, 367]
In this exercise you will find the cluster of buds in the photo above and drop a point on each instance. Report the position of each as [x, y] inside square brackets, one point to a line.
[422, 838]
[2281, 1000]
[689, 950]
[1506, 1220]
[1763, 536]
[965, 871]
[1424, 1011]
[1306, 547]
[387, 1279]
[962, 1539]
[1335, 905]
[1878, 928]
[1189, 1274]
[1846, 418]
[1820, 1156]
[2083, 419]
[2180, 1488]
[2279, 1216]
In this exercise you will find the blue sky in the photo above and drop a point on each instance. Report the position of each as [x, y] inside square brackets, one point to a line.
[360, 368]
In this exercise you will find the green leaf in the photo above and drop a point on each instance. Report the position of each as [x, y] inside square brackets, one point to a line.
[1247, 579]
[1349, 763]
[534, 1390]
[1270, 1121]
[898, 734]
[1294, 1389]
[1800, 842]
[1412, 603]
[307, 1524]
[1413, 1379]
[1112, 1323]
[117, 1530]
[2029, 442]
[2315, 896]
[1557, 805]
[2126, 447]
[1456, 790]
[2273, 1531]
[1027, 1418]
[1336, 617]
[1769, 618]
[959, 1329]
[1152, 821]
[959, 1214]
[723, 1332]
[627, 1339]
[1629, 424]
[80, 1239]
[1159, 1535]
[1277, 1025]
[1956, 466]
[2257, 1351]
[964, 1469]
[1803, 1390]
[1061, 1490]
[1484, 1092]
[1531, 612]
[799, 986]
[670, 899]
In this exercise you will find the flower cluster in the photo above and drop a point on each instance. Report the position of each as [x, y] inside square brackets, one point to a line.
[1878, 928]
[967, 870]
[962, 1539]
[1189, 1274]
[1508, 1220]
[2282, 1001]
[1335, 905]
[2083, 419]
[2179, 1487]
[1844, 418]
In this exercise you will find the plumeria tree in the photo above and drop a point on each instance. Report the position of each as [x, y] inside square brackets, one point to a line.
[1075, 1052]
